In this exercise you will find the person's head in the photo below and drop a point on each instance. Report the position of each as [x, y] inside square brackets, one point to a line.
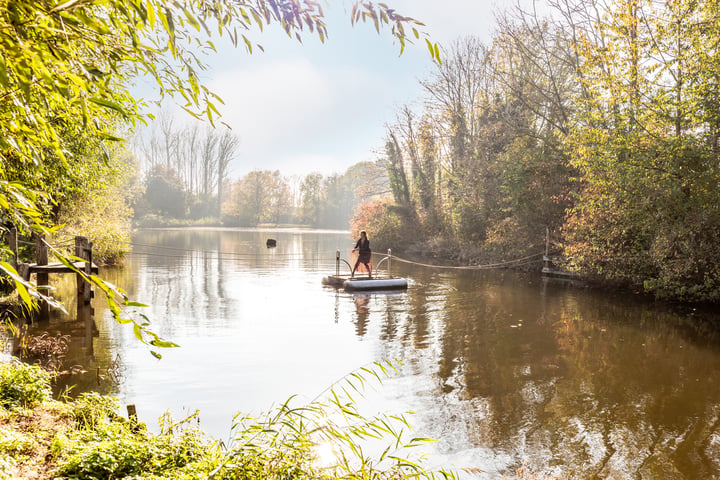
[363, 234]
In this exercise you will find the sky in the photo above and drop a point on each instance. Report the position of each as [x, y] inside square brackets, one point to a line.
[322, 107]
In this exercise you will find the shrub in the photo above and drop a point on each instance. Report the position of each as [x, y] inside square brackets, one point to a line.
[14, 443]
[110, 458]
[91, 409]
[508, 239]
[387, 225]
[22, 385]
[105, 445]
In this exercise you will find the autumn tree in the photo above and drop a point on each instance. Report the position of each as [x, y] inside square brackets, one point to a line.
[102, 210]
[343, 193]
[164, 192]
[227, 146]
[261, 196]
[535, 65]
[456, 92]
[397, 171]
[337, 202]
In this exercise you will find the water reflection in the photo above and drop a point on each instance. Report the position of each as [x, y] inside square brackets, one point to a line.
[503, 369]
[581, 383]
[362, 310]
[83, 368]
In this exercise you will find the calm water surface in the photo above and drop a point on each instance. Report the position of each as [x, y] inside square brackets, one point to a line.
[503, 369]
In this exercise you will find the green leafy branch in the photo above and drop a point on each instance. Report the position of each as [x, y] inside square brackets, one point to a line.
[19, 203]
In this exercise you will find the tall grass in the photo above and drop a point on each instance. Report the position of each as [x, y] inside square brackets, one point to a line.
[88, 439]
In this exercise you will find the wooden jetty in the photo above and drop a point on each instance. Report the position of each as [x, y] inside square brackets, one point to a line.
[550, 270]
[55, 268]
[42, 269]
[550, 266]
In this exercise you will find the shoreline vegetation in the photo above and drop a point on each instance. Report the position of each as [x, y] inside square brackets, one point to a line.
[85, 438]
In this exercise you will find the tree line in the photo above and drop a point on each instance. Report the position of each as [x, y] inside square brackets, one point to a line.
[597, 122]
[186, 176]
[268, 197]
[186, 168]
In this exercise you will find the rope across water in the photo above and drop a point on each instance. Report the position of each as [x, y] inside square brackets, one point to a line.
[527, 260]
[490, 266]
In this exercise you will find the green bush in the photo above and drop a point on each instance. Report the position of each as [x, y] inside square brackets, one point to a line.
[111, 458]
[111, 447]
[92, 409]
[22, 385]
[14, 443]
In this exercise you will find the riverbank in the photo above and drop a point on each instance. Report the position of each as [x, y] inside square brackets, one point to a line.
[86, 438]
[445, 251]
[529, 258]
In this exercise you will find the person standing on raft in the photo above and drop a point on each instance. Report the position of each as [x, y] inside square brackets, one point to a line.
[364, 253]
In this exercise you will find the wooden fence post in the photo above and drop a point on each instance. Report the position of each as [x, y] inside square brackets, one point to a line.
[85, 312]
[83, 250]
[42, 278]
[13, 244]
[547, 261]
[547, 241]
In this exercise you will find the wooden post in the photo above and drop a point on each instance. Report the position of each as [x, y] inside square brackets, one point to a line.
[24, 271]
[132, 413]
[83, 250]
[547, 261]
[86, 319]
[42, 278]
[133, 418]
[85, 312]
[88, 271]
[13, 244]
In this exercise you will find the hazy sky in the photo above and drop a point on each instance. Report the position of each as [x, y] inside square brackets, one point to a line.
[320, 107]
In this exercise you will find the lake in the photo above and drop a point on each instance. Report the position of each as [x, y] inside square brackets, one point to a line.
[502, 368]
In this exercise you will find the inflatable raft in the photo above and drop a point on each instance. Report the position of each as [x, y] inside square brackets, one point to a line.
[365, 283]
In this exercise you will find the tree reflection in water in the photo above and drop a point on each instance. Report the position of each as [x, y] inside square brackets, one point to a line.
[586, 384]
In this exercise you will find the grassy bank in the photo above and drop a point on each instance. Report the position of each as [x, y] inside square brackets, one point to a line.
[86, 438]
